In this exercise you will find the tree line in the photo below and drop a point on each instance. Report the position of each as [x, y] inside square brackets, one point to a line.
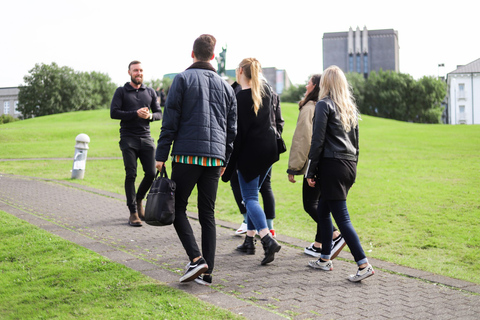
[51, 89]
[391, 95]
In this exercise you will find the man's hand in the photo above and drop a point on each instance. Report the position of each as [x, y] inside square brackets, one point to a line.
[143, 113]
[311, 182]
[222, 171]
[159, 165]
[291, 178]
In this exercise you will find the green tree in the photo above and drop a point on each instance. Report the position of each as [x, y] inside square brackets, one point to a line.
[393, 95]
[164, 83]
[294, 93]
[357, 83]
[50, 89]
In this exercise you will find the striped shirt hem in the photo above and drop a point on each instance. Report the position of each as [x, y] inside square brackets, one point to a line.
[200, 161]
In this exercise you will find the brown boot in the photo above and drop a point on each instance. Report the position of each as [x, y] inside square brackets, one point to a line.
[134, 220]
[140, 210]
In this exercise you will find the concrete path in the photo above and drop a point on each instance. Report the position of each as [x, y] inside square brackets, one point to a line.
[285, 289]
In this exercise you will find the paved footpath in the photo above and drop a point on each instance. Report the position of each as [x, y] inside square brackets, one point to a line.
[285, 289]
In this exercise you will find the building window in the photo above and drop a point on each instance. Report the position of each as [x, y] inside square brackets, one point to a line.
[461, 91]
[359, 67]
[365, 64]
[350, 63]
[462, 117]
[16, 108]
[6, 107]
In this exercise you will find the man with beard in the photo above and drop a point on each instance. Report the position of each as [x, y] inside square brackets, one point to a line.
[136, 105]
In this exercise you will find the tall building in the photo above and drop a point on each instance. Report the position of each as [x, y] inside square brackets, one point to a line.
[361, 51]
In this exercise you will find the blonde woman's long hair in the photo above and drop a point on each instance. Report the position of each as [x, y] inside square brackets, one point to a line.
[334, 85]
[252, 70]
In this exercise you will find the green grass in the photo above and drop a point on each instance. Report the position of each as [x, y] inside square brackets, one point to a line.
[416, 201]
[45, 277]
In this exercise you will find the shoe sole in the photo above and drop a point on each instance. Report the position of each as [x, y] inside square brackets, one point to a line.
[249, 252]
[338, 251]
[312, 254]
[240, 233]
[352, 279]
[192, 275]
[134, 225]
[314, 266]
[202, 282]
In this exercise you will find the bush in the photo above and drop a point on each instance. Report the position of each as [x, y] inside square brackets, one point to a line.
[6, 118]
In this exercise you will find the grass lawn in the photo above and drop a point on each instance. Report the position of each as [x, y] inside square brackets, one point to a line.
[416, 200]
[46, 277]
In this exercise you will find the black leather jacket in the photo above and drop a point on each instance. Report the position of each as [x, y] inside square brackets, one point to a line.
[329, 139]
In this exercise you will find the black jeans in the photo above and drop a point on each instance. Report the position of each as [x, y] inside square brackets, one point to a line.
[134, 148]
[311, 197]
[186, 176]
[265, 190]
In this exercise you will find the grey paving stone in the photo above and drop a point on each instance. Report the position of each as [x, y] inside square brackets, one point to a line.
[285, 289]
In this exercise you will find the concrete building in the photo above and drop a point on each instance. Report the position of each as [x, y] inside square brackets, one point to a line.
[9, 101]
[361, 51]
[463, 92]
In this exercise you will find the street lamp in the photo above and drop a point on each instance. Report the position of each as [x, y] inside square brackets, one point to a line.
[438, 70]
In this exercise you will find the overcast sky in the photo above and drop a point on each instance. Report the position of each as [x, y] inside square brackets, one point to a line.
[105, 35]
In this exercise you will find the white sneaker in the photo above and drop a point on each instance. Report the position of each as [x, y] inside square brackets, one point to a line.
[242, 229]
[362, 274]
[322, 265]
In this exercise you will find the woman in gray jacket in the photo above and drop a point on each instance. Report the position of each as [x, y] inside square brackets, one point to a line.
[297, 165]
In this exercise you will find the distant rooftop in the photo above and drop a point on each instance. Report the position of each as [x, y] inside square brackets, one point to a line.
[472, 67]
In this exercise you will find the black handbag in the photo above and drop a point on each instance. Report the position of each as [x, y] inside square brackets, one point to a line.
[160, 207]
[281, 145]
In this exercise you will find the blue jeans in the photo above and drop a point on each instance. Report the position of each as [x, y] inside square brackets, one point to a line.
[338, 208]
[256, 219]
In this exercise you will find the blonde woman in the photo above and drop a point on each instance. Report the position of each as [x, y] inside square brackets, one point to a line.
[297, 165]
[254, 152]
[332, 163]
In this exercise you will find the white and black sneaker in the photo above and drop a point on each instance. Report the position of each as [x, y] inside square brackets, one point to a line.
[194, 269]
[322, 265]
[204, 280]
[313, 251]
[337, 246]
[362, 274]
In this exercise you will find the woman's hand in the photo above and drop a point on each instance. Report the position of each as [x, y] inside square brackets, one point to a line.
[291, 178]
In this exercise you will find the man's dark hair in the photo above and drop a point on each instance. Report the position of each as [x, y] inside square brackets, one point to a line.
[133, 62]
[204, 47]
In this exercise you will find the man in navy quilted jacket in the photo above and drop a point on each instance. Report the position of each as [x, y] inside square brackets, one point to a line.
[198, 130]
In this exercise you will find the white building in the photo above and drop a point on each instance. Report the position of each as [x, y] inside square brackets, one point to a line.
[9, 101]
[463, 85]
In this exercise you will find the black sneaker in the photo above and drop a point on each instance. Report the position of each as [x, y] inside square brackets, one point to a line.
[337, 246]
[313, 251]
[194, 270]
[205, 280]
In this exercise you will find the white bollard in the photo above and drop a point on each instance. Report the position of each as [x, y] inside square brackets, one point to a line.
[80, 158]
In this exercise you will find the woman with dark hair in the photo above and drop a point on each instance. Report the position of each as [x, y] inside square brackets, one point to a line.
[297, 165]
[332, 164]
[254, 151]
